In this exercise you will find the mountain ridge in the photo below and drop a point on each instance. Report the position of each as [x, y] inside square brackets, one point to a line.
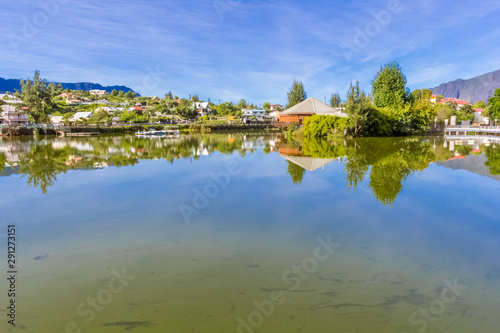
[12, 84]
[478, 88]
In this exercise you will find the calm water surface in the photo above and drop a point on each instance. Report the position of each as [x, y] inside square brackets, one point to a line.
[250, 233]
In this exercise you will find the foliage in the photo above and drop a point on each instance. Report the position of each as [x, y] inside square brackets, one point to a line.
[36, 97]
[389, 87]
[228, 109]
[322, 125]
[414, 118]
[297, 94]
[335, 100]
[443, 112]
[480, 105]
[359, 109]
[267, 106]
[493, 110]
[420, 94]
[242, 104]
[465, 113]
[493, 163]
[296, 172]
[3, 161]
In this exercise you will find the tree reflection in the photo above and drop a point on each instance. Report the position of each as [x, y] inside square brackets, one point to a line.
[3, 161]
[493, 155]
[296, 172]
[42, 161]
[42, 165]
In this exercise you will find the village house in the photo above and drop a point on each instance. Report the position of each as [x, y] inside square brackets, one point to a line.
[459, 102]
[308, 108]
[73, 101]
[259, 115]
[203, 108]
[479, 118]
[10, 116]
[98, 92]
[276, 107]
[81, 116]
[109, 109]
[56, 120]
[10, 99]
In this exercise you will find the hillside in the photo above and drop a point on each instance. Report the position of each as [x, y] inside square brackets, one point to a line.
[479, 88]
[12, 84]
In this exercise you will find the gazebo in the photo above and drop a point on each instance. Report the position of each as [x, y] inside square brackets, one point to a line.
[307, 108]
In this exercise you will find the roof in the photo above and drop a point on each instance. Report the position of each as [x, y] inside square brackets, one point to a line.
[309, 163]
[203, 105]
[8, 108]
[313, 106]
[56, 119]
[82, 115]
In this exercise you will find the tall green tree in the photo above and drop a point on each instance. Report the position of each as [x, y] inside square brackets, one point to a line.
[389, 87]
[242, 104]
[36, 97]
[493, 109]
[297, 94]
[358, 107]
[335, 100]
[267, 106]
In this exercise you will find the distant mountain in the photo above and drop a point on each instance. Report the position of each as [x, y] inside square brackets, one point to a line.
[473, 90]
[12, 84]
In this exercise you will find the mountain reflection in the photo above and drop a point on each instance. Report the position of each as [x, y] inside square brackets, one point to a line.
[385, 162]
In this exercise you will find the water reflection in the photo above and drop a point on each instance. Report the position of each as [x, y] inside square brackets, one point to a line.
[386, 162]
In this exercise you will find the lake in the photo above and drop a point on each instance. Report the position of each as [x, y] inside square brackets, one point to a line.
[251, 233]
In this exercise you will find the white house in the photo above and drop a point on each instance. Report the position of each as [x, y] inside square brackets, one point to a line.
[81, 116]
[10, 99]
[258, 114]
[109, 109]
[98, 92]
[276, 107]
[12, 117]
[56, 120]
[203, 108]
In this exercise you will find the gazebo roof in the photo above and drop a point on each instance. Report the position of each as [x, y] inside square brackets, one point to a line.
[313, 106]
[309, 163]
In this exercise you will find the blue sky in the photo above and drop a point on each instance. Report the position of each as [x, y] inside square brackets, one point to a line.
[232, 49]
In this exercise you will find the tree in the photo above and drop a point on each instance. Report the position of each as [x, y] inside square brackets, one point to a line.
[480, 105]
[195, 98]
[169, 95]
[420, 94]
[267, 106]
[335, 100]
[114, 93]
[36, 97]
[358, 107]
[465, 113]
[121, 94]
[389, 87]
[242, 104]
[227, 109]
[297, 94]
[493, 109]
